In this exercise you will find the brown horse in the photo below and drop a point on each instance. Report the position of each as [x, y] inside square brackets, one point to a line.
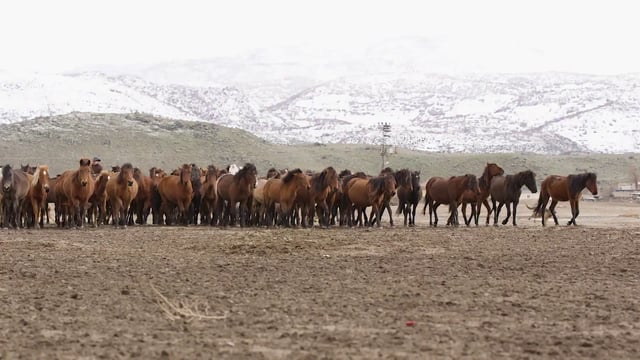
[408, 199]
[141, 205]
[323, 184]
[507, 190]
[37, 196]
[97, 212]
[15, 187]
[362, 193]
[565, 188]
[208, 196]
[73, 190]
[403, 179]
[439, 190]
[479, 197]
[284, 192]
[121, 190]
[176, 192]
[236, 189]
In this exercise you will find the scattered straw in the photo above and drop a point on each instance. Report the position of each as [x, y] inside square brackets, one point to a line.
[182, 310]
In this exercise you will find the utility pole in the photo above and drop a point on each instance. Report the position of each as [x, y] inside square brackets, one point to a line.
[385, 127]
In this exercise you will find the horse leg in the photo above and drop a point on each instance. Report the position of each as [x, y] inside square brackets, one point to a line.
[414, 207]
[552, 209]
[388, 207]
[515, 207]
[574, 211]
[435, 214]
[496, 211]
[379, 210]
[506, 219]
[464, 214]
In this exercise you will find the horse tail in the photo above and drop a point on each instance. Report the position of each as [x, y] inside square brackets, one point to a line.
[542, 198]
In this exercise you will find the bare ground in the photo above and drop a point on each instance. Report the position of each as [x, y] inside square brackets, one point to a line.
[487, 292]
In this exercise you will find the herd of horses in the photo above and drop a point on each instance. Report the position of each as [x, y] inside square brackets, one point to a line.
[211, 196]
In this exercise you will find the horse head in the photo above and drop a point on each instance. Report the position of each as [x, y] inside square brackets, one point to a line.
[41, 175]
[530, 181]
[7, 178]
[84, 171]
[126, 174]
[185, 174]
[403, 178]
[390, 184]
[592, 183]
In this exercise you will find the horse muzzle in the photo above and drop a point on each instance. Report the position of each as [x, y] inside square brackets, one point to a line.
[6, 188]
[46, 188]
[83, 182]
[129, 183]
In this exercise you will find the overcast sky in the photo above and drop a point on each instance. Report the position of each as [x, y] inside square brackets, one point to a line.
[481, 35]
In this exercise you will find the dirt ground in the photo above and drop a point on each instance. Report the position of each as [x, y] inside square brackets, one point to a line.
[200, 292]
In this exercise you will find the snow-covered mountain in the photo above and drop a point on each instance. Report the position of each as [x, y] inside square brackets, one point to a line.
[297, 101]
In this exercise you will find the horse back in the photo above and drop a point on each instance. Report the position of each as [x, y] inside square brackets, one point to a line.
[358, 192]
[437, 189]
[557, 187]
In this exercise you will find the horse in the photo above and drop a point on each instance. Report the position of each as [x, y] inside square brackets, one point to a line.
[28, 169]
[439, 190]
[97, 212]
[565, 188]
[370, 192]
[507, 190]
[208, 196]
[37, 195]
[156, 174]
[322, 184]
[141, 205]
[234, 189]
[478, 197]
[73, 190]
[284, 192]
[121, 190]
[15, 188]
[408, 199]
[403, 179]
[175, 191]
[196, 184]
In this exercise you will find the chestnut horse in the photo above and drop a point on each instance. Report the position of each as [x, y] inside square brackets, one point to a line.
[236, 189]
[176, 192]
[73, 190]
[284, 192]
[37, 196]
[370, 192]
[507, 190]
[439, 190]
[565, 188]
[208, 196]
[408, 199]
[403, 179]
[15, 188]
[479, 197]
[156, 174]
[121, 190]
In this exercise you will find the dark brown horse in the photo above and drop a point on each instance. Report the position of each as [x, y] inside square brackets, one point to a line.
[15, 187]
[479, 197]
[175, 192]
[362, 193]
[439, 190]
[507, 190]
[565, 188]
[121, 190]
[236, 189]
[403, 179]
[97, 212]
[408, 199]
[156, 175]
[141, 205]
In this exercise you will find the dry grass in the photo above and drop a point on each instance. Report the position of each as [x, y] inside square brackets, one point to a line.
[184, 310]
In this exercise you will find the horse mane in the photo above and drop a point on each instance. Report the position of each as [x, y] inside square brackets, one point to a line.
[377, 183]
[319, 180]
[402, 174]
[126, 166]
[512, 185]
[36, 174]
[6, 171]
[137, 173]
[577, 182]
[387, 170]
[344, 173]
[290, 175]
[248, 168]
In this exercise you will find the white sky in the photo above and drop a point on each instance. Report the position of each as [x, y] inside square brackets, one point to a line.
[482, 35]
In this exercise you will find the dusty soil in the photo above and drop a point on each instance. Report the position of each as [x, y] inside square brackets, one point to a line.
[486, 292]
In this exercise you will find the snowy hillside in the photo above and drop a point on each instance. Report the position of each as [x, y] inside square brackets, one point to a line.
[544, 113]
